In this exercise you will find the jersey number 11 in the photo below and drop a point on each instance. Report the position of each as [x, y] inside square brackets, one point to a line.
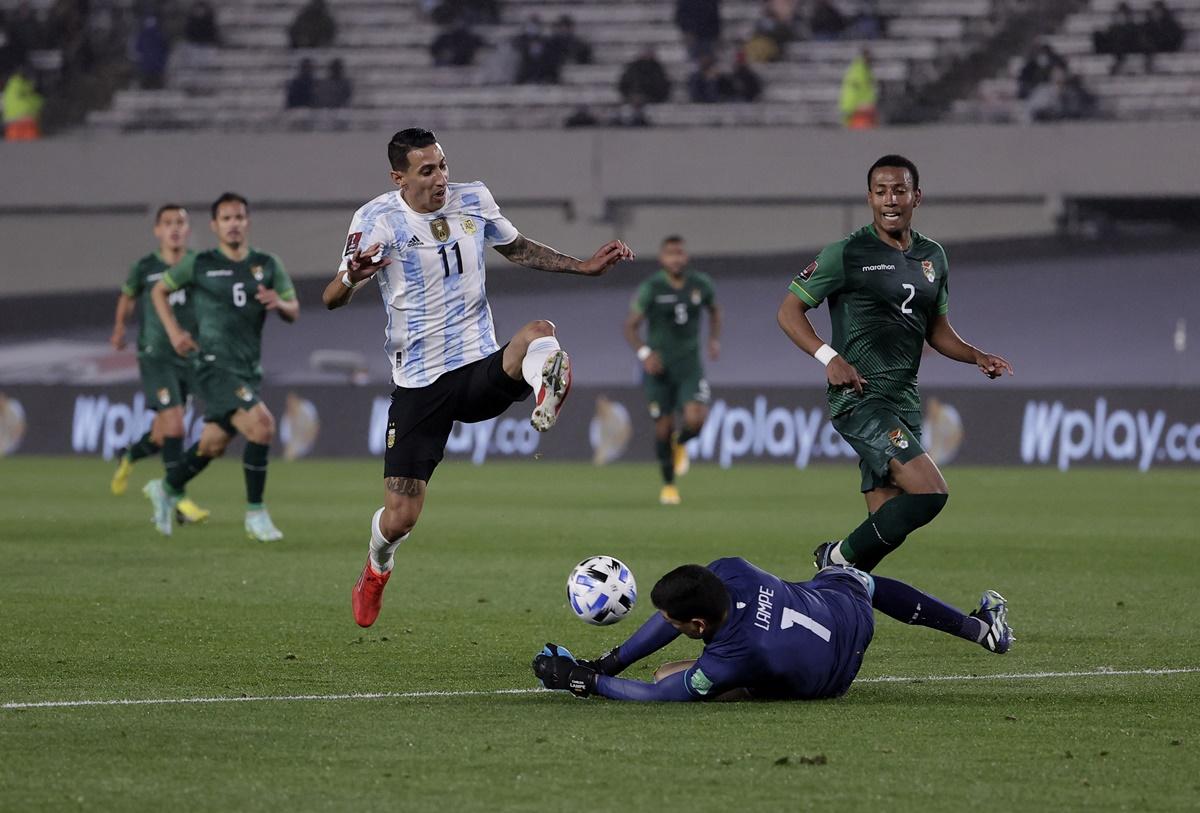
[446, 259]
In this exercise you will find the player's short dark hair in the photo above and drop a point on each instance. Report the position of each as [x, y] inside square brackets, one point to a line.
[167, 207]
[228, 197]
[414, 138]
[897, 162]
[671, 238]
[691, 591]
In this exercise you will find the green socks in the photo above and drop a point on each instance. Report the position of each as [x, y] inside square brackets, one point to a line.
[172, 451]
[143, 448]
[662, 450]
[686, 434]
[882, 532]
[192, 464]
[254, 465]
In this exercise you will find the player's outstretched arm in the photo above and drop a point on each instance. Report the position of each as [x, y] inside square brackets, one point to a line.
[793, 319]
[540, 257]
[125, 305]
[181, 340]
[943, 338]
[360, 267]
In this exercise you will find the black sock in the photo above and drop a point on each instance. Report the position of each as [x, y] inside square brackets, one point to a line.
[254, 465]
[884, 531]
[666, 460]
[909, 605]
[144, 447]
[686, 434]
[192, 464]
[172, 452]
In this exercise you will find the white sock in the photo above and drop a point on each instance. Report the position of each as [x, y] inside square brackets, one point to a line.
[383, 552]
[535, 358]
[836, 557]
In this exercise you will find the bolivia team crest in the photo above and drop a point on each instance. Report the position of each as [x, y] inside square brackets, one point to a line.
[440, 229]
[244, 394]
[695, 296]
[164, 396]
[927, 267]
[257, 271]
[468, 226]
[896, 436]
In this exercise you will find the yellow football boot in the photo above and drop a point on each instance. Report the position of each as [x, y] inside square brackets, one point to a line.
[187, 511]
[120, 479]
[669, 496]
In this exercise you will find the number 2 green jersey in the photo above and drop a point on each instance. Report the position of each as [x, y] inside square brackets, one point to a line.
[223, 294]
[673, 314]
[882, 302]
[152, 338]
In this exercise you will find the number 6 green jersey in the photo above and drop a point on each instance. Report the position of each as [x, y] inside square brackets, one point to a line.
[230, 318]
[881, 301]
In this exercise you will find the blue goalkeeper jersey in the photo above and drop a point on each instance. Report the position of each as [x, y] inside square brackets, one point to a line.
[796, 640]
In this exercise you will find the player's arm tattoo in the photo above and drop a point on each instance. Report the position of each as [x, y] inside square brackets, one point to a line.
[404, 486]
[540, 257]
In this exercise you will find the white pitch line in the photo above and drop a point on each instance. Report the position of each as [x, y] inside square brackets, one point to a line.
[299, 698]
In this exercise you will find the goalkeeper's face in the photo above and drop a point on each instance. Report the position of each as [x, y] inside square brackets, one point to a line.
[423, 183]
[893, 197]
[694, 628]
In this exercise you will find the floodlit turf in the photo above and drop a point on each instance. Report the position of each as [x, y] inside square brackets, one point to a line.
[1100, 568]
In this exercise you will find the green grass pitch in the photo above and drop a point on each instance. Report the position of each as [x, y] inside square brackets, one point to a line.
[1100, 568]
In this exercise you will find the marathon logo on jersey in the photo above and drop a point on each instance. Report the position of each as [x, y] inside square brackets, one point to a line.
[896, 436]
[666, 299]
[468, 226]
[808, 271]
[927, 267]
[880, 267]
[352, 243]
[220, 272]
[440, 229]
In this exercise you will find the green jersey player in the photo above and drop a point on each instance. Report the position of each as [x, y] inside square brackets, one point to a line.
[166, 378]
[233, 288]
[670, 303]
[888, 295]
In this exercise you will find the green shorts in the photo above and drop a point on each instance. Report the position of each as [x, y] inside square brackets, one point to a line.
[878, 432]
[678, 385]
[225, 391]
[166, 382]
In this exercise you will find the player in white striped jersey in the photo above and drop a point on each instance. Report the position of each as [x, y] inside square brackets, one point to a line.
[424, 243]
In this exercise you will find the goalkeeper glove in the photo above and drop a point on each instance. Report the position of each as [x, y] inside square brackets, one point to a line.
[607, 664]
[556, 668]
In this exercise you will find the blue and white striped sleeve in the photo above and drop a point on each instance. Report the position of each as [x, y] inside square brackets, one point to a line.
[497, 230]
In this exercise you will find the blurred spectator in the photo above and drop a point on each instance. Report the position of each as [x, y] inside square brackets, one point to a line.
[1122, 37]
[742, 83]
[1037, 69]
[537, 63]
[25, 31]
[1063, 96]
[644, 80]
[499, 65]
[581, 116]
[867, 24]
[456, 45]
[68, 29]
[151, 50]
[1162, 32]
[700, 23]
[335, 90]
[632, 114]
[709, 84]
[302, 88]
[826, 22]
[22, 107]
[200, 27]
[566, 46]
[773, 30]
[859, 100]
[704, 84]
[473, 12]
[314, 26]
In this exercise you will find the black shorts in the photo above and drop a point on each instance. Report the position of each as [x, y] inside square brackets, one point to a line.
[420, 418]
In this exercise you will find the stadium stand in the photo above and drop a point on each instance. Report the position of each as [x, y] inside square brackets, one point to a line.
[1168, 91]
[385, 46]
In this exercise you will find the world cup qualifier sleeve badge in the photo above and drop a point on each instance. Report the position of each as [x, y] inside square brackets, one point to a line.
[440, 229]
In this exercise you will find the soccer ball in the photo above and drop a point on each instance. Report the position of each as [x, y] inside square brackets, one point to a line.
[601, 590]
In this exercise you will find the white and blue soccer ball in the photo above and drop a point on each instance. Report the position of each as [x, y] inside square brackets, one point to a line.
[601, 590]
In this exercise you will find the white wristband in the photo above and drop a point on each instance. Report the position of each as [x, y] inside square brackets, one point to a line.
[825, 354]
[346, 281]
[644, 352]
